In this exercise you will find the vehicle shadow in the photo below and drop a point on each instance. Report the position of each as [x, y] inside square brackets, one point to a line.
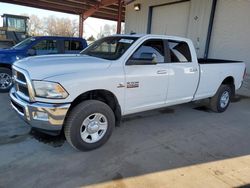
[54, 141]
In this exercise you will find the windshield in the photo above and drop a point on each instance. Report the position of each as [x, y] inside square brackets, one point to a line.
[24, 43]
[110, 48]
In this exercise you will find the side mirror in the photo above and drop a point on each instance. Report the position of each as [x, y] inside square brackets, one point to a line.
[144, 59]
[147, 56]
[31, 52]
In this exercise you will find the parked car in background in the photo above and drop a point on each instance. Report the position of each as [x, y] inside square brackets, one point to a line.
[43, 45]
[86, 95]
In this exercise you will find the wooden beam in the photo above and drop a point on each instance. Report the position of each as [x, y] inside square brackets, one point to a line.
[104, 16]
[126, 2]
[107, 9]
[119, 20]
[112, 13]
[84, 8]
[81, 25]
[102, 3]
[108, 2]
[66, 4]
[42, 5]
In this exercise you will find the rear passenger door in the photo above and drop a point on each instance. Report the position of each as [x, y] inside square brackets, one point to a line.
[183, 73]
[72, 46]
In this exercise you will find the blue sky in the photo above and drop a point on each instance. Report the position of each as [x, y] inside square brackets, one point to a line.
[92, 25]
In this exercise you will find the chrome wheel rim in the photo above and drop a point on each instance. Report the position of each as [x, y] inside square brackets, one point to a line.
[5, 80]
[93, 128]
[224, 100]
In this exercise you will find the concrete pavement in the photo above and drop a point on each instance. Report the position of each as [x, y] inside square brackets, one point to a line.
[180, 146]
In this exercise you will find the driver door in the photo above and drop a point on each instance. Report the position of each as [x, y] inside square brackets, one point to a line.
[146, 77]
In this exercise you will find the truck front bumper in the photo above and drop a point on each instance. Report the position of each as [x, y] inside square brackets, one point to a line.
[47, 117]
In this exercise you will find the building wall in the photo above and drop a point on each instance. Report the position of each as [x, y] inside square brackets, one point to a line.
[231, 31]
[230, 36]
[168, 13]
[137, 21]
[198, 24]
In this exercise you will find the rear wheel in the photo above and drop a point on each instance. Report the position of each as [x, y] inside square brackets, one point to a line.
[89, 125]
[5, 80]
[221, 100]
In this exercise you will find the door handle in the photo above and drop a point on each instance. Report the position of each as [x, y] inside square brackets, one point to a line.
[162, 72]
[193, 69]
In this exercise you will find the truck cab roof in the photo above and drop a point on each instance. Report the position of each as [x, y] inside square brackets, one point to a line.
[57, 37]
[170, 37]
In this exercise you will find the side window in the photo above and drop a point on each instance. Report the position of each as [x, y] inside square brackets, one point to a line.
[76, 45]
[179, 52]
[152, 48]
[46, 47]
[66, 45]
[72, 46]
[42, 45]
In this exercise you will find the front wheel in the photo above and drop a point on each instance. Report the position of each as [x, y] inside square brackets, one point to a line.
[5, 80]
[89, 125]
[221, 100]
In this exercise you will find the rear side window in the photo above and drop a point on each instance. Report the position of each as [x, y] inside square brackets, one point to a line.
[179, 52]
[72, 45]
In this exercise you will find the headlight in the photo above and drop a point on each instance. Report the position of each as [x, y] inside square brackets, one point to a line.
[49, 90]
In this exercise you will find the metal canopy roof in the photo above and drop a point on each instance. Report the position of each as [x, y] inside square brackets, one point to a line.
[104, 9]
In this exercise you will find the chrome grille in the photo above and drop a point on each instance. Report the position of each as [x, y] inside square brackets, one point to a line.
[20, 84]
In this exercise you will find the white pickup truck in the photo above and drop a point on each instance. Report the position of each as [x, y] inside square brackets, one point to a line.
[86, 95]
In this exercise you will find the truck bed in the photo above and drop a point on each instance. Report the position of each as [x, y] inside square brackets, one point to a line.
[214, 71]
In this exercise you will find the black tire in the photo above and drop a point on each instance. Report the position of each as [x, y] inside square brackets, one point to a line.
[9, 73]
[78, 114]
[215, 101]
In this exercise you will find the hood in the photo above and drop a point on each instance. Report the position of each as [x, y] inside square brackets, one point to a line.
[42, 67]
[8, 50]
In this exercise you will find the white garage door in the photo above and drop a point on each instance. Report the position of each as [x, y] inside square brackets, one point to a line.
[171, 19]
[231, 31]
